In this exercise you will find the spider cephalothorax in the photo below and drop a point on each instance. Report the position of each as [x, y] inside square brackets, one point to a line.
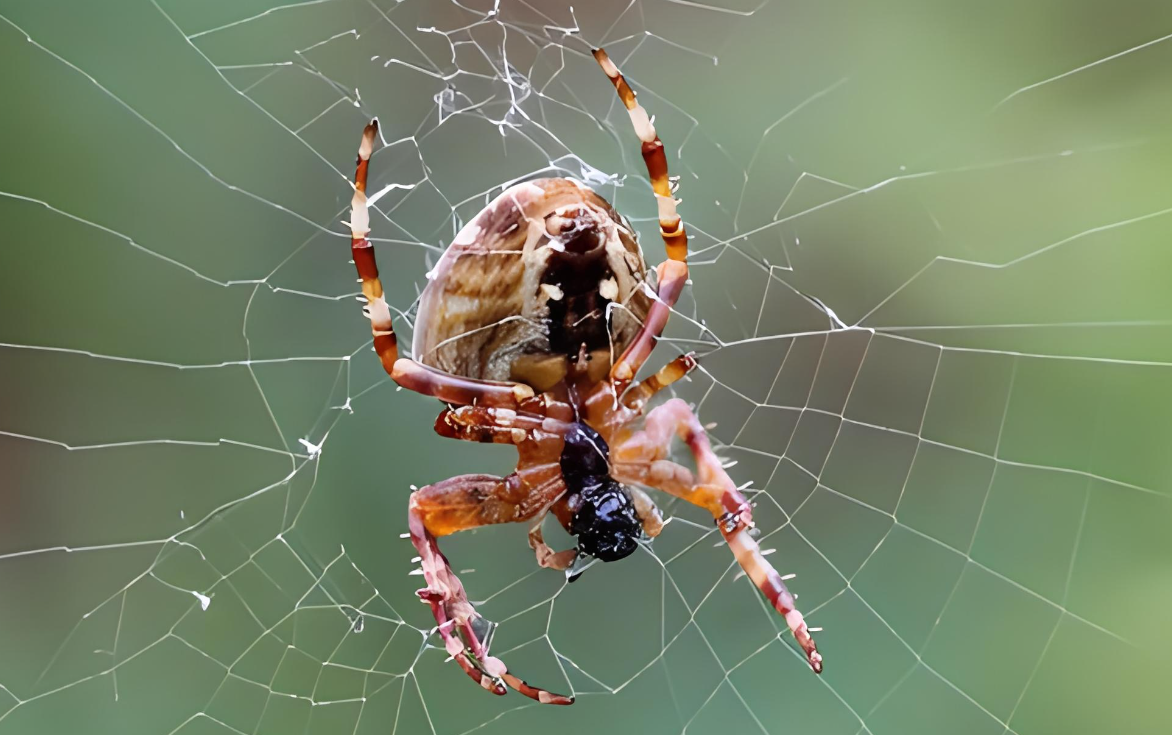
[532, 328]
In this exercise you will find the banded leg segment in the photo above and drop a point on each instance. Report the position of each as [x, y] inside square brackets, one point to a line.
[672, 273]
[386, 346]
[502, 426]
[671, 228]
[641, 459]
[638, 395]
[407, 373]
[464, 502]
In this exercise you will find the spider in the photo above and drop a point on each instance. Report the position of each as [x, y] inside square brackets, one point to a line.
[516, 333]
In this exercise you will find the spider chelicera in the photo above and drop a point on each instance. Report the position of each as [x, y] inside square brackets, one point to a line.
[516, 333]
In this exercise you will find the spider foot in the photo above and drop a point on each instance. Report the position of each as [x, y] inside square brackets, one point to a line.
[465, 633]
[490, 671]
[462, 655]
[737, 526]
[802, 634]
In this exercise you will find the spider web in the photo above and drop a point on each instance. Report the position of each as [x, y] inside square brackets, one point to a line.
[929, 295]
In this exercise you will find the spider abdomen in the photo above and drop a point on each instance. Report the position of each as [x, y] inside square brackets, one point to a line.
[547, 267]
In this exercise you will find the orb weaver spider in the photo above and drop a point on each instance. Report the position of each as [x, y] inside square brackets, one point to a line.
[516, 332]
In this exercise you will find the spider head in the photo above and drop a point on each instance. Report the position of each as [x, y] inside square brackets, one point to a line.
[605, 521]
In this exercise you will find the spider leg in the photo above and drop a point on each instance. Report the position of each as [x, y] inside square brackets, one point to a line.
[641, 459]
[460, 503]
[675, 239]
[673, 272]
[538, 440]
[645, 510]
[637, 396]
[407, 373]
[533, 434]
[547, 558]
[529, 433]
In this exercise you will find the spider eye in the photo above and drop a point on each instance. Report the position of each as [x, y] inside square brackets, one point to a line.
[605, 522]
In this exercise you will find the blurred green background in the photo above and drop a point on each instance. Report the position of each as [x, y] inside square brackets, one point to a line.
[967, 468]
